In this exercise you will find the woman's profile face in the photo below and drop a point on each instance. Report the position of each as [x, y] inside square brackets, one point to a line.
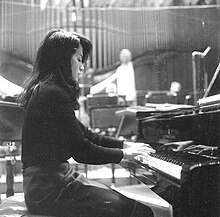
[76, 62]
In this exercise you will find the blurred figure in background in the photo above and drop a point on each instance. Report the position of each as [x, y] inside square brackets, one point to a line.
[126, 78]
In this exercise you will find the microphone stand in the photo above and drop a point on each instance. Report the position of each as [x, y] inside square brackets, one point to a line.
[202, 55]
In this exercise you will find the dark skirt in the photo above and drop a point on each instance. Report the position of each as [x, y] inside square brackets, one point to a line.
[60, 191]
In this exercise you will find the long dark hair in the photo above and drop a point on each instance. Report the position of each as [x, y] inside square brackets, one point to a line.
[52, 63]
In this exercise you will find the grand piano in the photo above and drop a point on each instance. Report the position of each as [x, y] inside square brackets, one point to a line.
[186, 165]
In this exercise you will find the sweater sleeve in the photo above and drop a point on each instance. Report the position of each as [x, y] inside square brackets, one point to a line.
[69, 136]
[101, 140]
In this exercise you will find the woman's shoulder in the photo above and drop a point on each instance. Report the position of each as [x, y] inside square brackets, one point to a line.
[49, 90]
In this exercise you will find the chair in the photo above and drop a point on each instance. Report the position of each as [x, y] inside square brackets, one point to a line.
[15, 206]
[104, 119]
[161, 97]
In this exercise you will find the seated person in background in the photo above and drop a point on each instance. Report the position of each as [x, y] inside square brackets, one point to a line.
[52, 134]
[175, 87]
[111, 91]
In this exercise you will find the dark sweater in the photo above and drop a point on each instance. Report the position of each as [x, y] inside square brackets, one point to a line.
[52, 133]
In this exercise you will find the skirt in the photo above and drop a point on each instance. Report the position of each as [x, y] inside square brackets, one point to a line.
[61, 191]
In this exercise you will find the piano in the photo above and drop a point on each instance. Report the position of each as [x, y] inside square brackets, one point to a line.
[185, 166]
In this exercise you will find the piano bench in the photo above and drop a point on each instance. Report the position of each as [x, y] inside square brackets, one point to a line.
[143, 194]
[14, 206]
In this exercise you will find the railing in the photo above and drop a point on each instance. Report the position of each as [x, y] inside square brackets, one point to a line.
[111, 29]
[167, 35]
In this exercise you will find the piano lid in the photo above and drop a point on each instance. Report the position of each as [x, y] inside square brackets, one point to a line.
[209, 98]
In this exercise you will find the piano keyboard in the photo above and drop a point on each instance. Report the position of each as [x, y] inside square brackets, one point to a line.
[165, 165]
[173, 163]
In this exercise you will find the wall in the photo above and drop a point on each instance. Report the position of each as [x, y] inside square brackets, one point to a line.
[175, 30]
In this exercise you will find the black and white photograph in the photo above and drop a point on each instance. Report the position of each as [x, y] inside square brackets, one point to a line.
[109, 108]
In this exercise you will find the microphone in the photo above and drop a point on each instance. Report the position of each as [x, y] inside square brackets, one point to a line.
[202, 54]
[206, 51]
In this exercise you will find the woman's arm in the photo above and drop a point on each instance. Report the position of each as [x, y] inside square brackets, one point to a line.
[67, 136]
[101, 140]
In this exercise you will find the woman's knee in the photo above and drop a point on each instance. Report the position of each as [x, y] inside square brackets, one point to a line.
[141, 210]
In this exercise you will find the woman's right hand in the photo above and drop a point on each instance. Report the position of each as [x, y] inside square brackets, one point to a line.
[177, 146]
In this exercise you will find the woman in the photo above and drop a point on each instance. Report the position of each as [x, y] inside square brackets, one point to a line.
[52, 134]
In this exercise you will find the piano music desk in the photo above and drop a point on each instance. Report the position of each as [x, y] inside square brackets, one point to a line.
[128, 122]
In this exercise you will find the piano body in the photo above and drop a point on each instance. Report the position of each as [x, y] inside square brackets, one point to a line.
[188, 179]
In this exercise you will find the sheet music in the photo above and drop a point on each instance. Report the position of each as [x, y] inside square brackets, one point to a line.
[209, 100]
